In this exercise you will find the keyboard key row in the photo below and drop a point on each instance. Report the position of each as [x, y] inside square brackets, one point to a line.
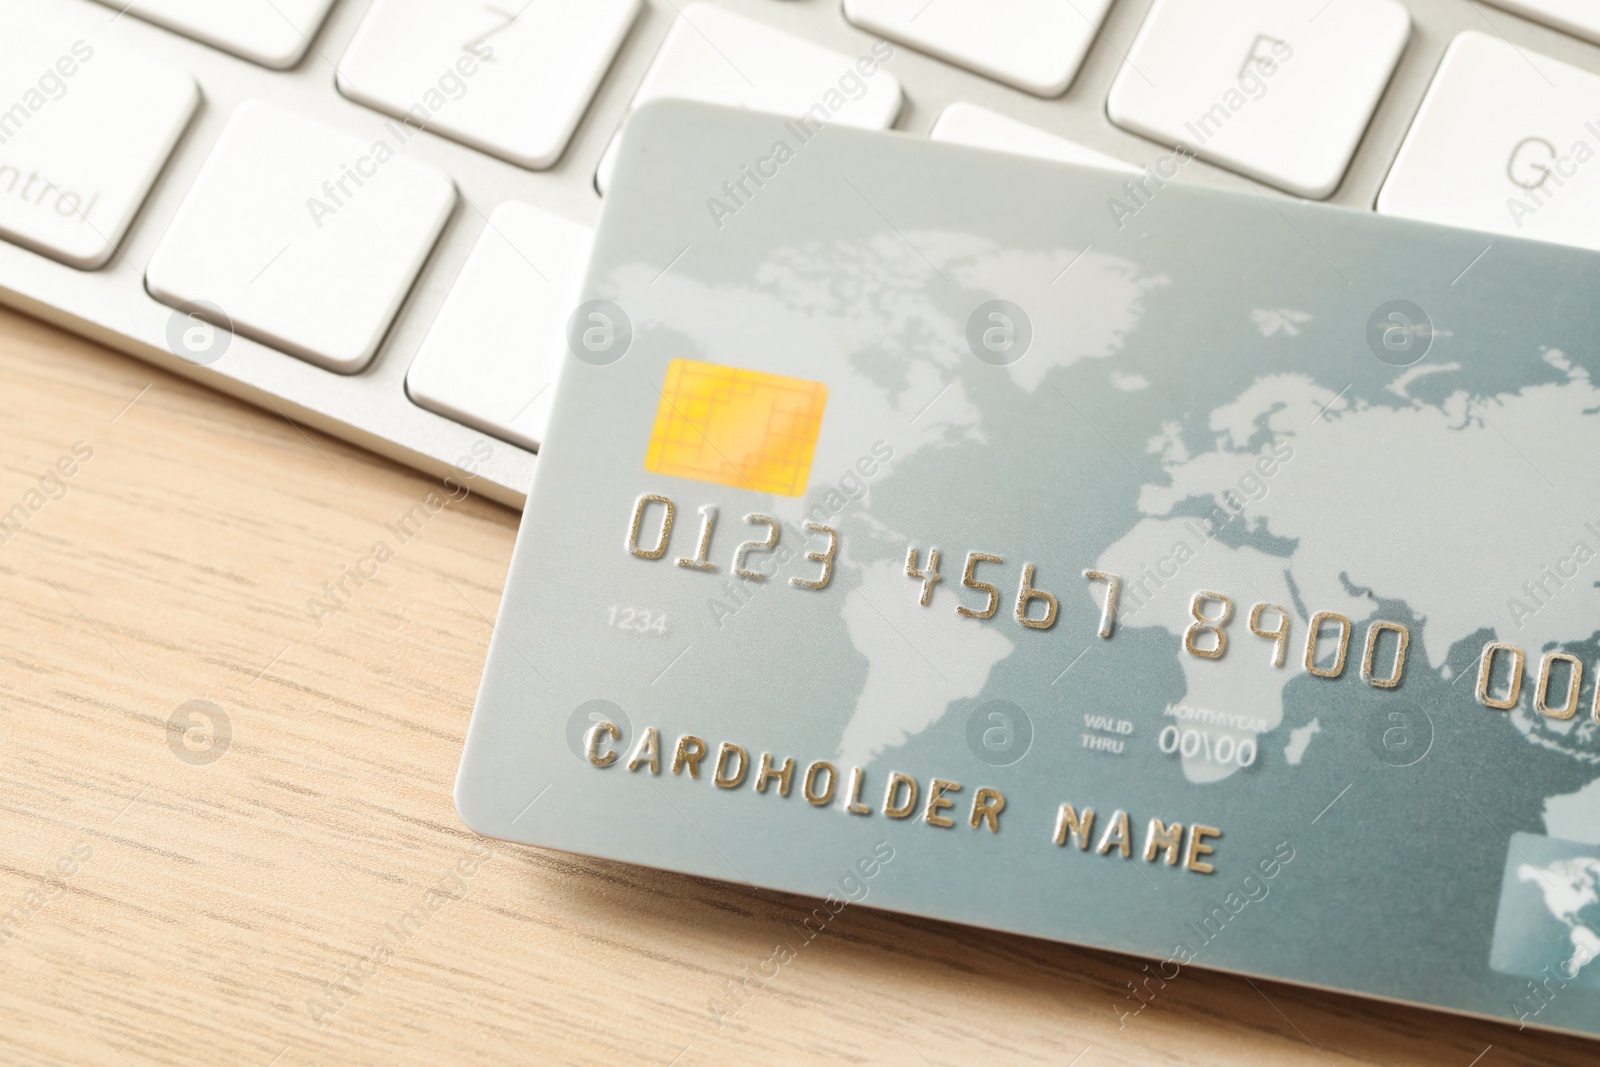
[1278, 90]
[309, 240]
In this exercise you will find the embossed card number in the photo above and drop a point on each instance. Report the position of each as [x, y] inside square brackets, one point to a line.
[1325, 652]
[701, 561]
[1326, 649]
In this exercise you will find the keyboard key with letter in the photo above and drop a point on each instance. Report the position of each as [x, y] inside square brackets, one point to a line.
[716, 57]
[1034, 45]
[490, 360]
[1278, 90]
[1505, 141]
[305, 237]
[273, 33]
[85, 128]
[511, 83]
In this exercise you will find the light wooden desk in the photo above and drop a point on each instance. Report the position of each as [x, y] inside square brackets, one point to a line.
[157, 909]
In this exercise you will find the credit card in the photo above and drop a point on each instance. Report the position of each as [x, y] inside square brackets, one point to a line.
[1202, 575]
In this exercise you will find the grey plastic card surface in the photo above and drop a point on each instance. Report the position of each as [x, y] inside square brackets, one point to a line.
[1204, 576]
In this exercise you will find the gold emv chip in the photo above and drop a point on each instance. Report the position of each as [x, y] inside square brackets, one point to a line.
[736, 427]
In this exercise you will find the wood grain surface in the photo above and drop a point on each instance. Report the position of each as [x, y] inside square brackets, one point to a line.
[292, 886]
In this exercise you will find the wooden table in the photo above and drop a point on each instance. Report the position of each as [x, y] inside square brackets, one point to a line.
[277, 889]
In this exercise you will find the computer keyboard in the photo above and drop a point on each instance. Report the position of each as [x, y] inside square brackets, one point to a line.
[373, 216]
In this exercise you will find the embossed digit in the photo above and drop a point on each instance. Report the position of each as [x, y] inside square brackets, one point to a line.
[1594, 712]
[708, 523]
[644, 501]
[970, 580]
[928, 578]
[1280, 635]
[1314, 635]
[824, 558]
[1541, 699]
[750, 546]
[1204, 625]
[1373, 633]
[1514, 688]
[1108, 607]
[1026, 594]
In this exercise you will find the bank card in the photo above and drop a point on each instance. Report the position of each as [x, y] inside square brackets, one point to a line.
[1204, 575]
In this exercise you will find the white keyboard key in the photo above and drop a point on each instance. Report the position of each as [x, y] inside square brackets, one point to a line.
[306, 237]
[512, 81]
[274, 33]
[85, 128]
[491, 357]
[1035, 45]
[1578, 17]
[978, 127]
[1278, 90]
[1504, 142]
[717, 57]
